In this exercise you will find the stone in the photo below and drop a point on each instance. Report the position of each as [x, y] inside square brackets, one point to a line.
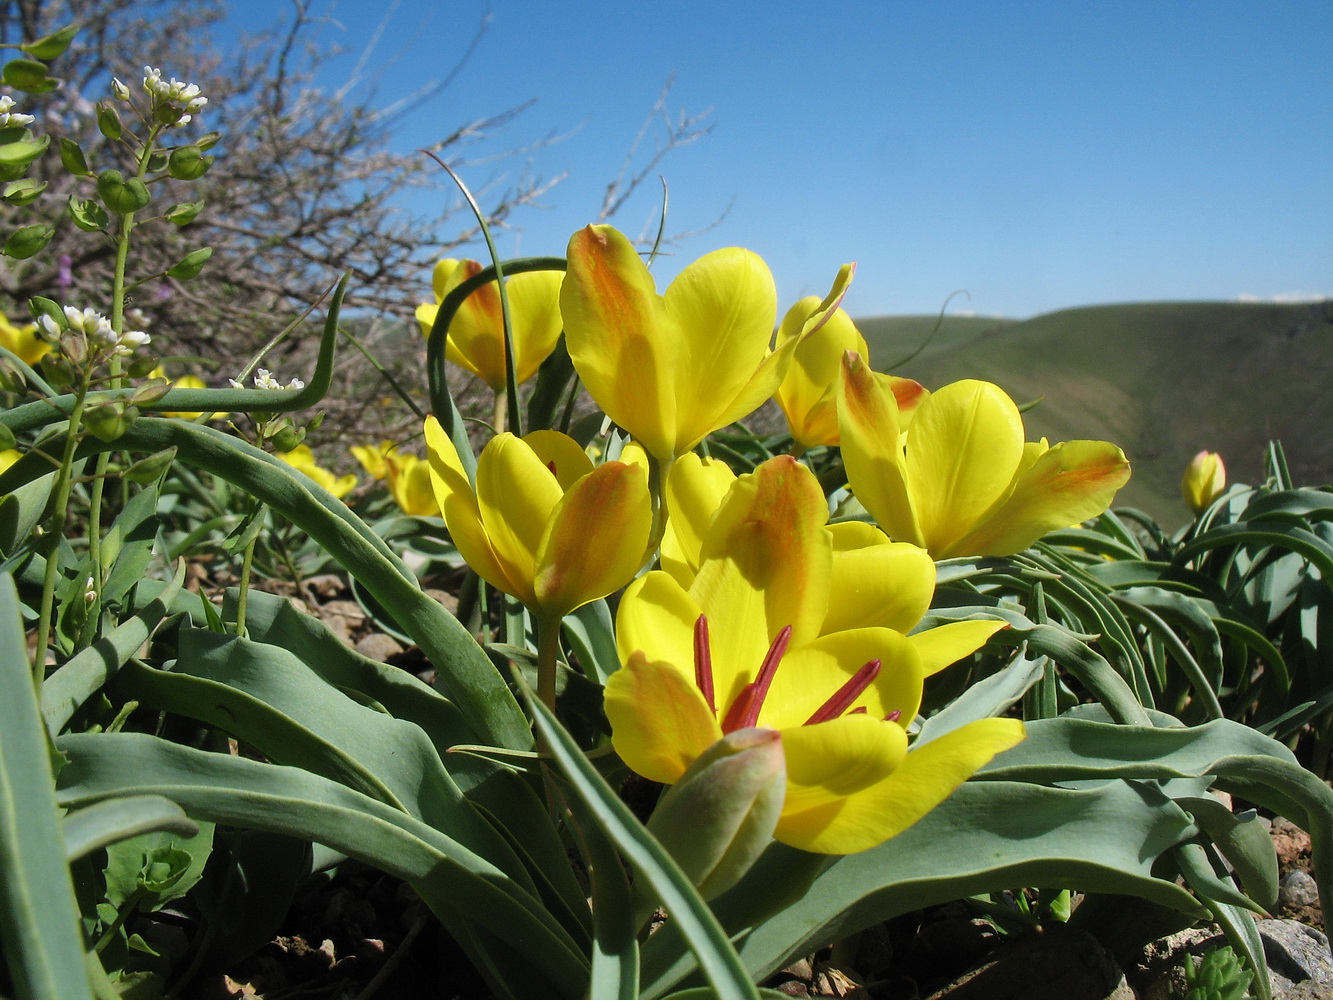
[1297, 888]
[1296, 951]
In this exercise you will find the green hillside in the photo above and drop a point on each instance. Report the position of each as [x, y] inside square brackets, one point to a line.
[1162, 380]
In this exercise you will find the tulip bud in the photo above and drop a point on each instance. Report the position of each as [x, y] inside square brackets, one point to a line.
[719, 817]
[1204, 480]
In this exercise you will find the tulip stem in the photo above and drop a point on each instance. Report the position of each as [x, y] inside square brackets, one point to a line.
[548, 651]
[658, 470]
[500, 411]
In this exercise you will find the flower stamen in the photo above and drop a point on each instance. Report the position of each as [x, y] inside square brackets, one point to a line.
[703, 662]
[744, 711]
[842, 699]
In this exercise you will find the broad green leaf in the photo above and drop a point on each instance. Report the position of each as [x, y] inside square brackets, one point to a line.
[160, 865]
[39, 919]
[706, 939]
[985, 837]
[106, 822]
[462, 888]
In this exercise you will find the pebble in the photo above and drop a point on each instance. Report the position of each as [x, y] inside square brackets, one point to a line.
[1297, 888]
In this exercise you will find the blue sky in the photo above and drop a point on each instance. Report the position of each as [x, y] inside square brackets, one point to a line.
[1035, 155]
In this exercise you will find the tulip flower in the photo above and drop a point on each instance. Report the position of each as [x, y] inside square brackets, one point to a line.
[744, 647]
[407, 476]
[670, 369]
[808, 395]
[961, 481]
[476, 335]
[543, 525]
[303, 459]
[1204, 480]
[23, 341]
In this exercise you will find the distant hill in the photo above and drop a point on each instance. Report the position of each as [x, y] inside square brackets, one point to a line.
[1163, 380]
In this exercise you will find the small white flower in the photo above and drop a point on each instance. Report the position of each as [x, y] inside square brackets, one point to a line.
[130, 341]
[48, 327]
[236, 383]
[119, 89]
[264, 380]
[8, 117]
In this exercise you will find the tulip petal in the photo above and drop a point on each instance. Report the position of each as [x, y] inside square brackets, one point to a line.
[657, 617]
[462, 515]
[871, 451]
[875, 581]
[516, 493]
[534, 310]
[595, 540]
[659, 721]
[828, 762]
[695, 488]
[724, 305]
[926, 777]
[947, 644]
[812, 673]
[965, 444]
[616, 323]
[561, 454]
[765, 565]
[1069, 483]
[808, 395]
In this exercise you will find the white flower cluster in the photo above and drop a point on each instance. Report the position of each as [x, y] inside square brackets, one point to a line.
[8, 117]
[264, 380]
[97, 328]
[182, 98]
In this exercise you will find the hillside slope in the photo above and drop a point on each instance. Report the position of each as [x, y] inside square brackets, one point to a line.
[1162, 380]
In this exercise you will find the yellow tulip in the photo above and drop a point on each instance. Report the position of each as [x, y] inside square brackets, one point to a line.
[1204, 480]
[302, 459]
[476, 335]
[22, 340]
[670, 369]
[744, 647]
[962, 481]
[808, 395]
[407, 476]
[542, 524]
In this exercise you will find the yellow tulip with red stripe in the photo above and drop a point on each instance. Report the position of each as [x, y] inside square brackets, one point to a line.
[744, 646]
[961, 480]
[476, 335]
[542, 524]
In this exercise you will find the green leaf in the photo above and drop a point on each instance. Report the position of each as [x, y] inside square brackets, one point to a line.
[689, 914]
[102, 823]
[72, 158]
[24, 191]
[22, 152]
[28, 75]
[128, 545]
[88, 215]
[190, 265]
[49, 46]
[108, 121]
[184, 213]
[983, 838]
[81, 676]
[39, 919]
[162, 865]
[188, 163]
[119, 195]
[462, 888]
[28, 241]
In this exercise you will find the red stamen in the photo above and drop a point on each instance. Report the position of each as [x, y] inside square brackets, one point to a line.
[703, 662]
[744, 711]
[894, 716]
[842, 698]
